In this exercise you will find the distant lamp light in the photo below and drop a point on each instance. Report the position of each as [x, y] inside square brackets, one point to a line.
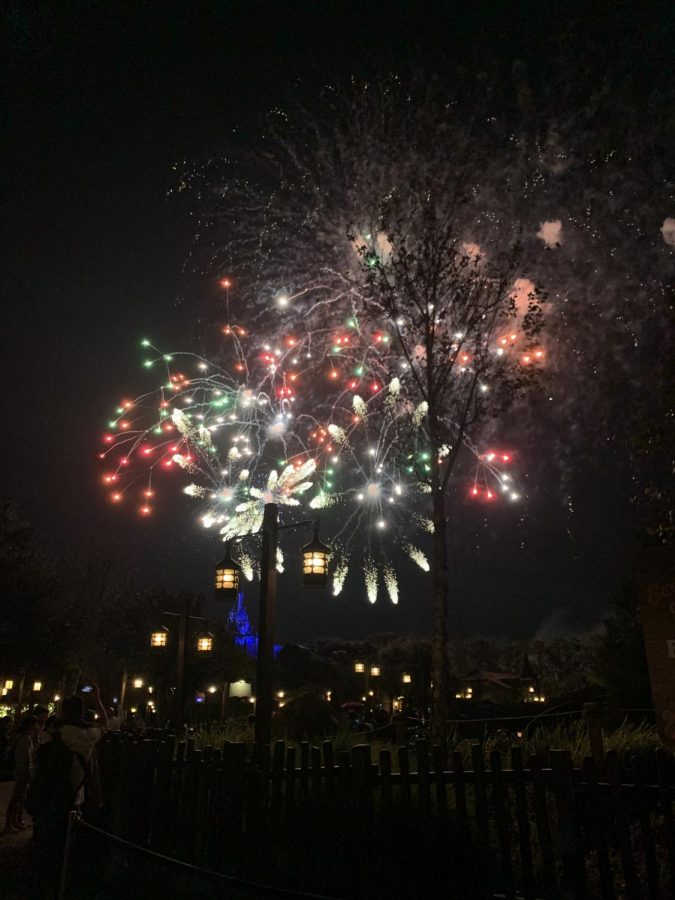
[150, 689]
[159, 638]
[9, 684]
[57, 697]
[240, 688]
[212, 689]
[37, 686]
[204, 643]
[407, 678]
[138, 682]
[315, 562]
[375, 671]
[226, 585]
[359, 667]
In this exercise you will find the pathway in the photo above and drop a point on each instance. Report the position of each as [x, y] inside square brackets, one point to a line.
[14, 851]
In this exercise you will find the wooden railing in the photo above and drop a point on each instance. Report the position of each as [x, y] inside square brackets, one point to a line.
[407, 825]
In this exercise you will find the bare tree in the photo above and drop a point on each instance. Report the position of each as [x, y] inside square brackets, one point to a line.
[457, 323]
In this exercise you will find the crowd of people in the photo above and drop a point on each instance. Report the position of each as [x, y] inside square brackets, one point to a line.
[53, 762]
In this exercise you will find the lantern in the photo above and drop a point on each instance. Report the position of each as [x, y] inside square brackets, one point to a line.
[159, 638]
[138, 682]
[204, 643]
[359, 667]
[315, 562]
[407, 678]
[37, 686]
[375, 671]
[226, 585]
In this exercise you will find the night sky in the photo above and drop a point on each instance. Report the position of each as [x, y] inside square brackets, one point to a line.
[102, 102]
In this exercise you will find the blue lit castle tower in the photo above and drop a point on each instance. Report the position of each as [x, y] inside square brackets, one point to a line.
[240, 624]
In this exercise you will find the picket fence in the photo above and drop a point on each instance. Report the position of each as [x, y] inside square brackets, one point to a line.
[409, 825]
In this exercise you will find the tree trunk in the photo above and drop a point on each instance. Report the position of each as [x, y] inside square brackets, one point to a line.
[439, 648]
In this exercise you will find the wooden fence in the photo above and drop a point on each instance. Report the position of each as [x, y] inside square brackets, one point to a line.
[407, 825]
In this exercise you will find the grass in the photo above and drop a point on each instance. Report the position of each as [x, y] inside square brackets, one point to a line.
[626, 740]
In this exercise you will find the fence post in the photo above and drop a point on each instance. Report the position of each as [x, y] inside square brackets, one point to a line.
[622, 828]
[543, 828]
[570, 840]
[522, 818]
[644, 811]
[72, 817]
[362, 821]
[599, 827]
[591, 713]
[664, 763]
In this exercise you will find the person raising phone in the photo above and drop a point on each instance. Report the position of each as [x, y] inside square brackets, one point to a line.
[76, 732]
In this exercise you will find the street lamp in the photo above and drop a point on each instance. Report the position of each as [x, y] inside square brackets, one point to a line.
[314, 574]
[226, 585]
[204, 643]
[315, 562]
[407, 678]
[375, 671]
[138, 682]
[159, 638]
[359, 667]
[37, 686]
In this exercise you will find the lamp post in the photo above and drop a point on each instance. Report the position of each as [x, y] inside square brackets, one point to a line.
[314, 574]
[371, 673]
[203, 646]
[264, 687]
